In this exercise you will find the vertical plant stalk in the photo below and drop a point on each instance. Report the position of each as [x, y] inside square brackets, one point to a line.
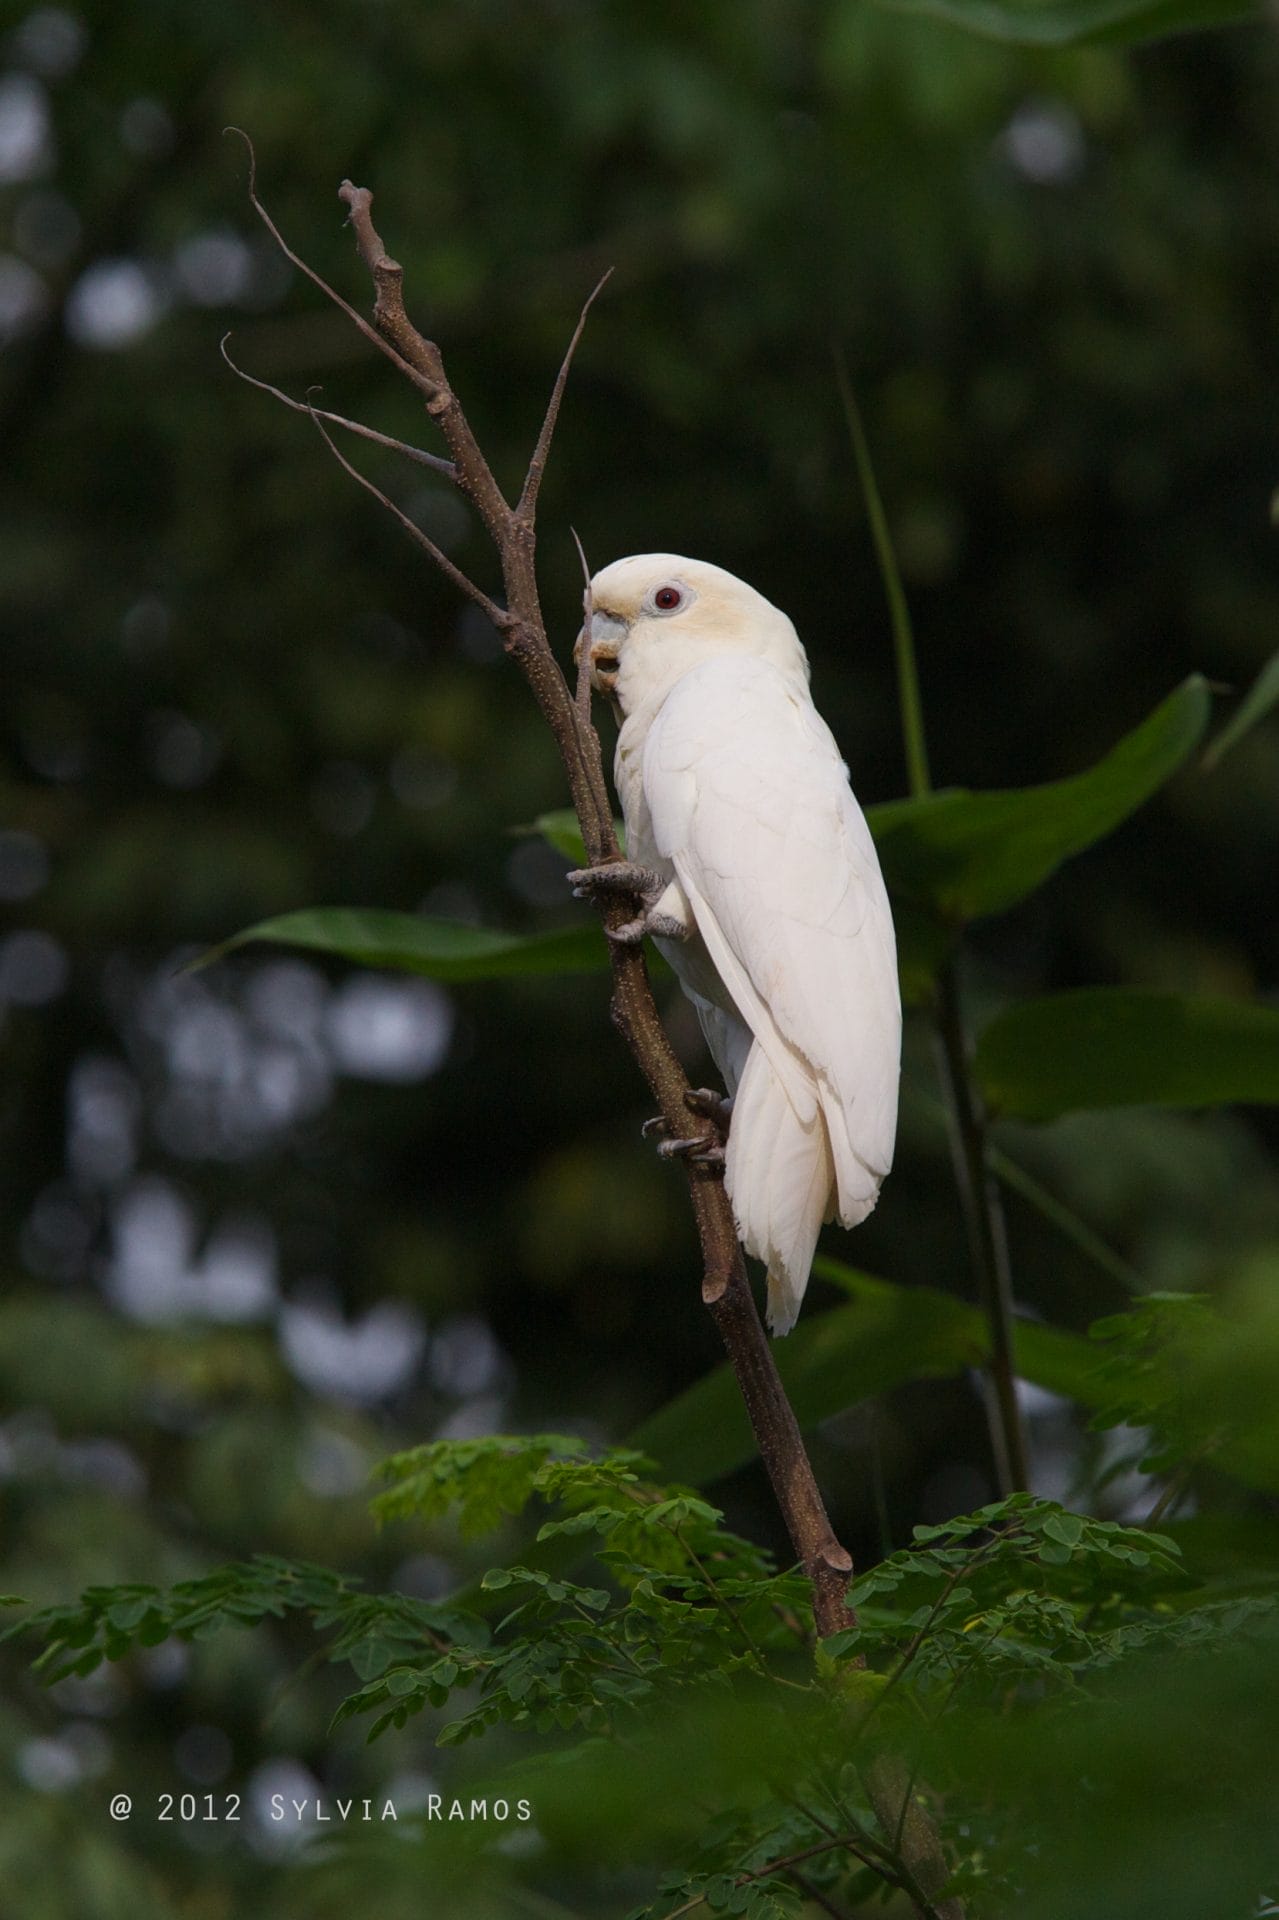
[910, 703]
[987, 1237]
[979, 1195]
[908, 1829]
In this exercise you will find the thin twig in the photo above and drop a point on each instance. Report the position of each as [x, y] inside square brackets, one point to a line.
[811, 1891]
[418, 454]
[872, 1853]
[370, 333]
[1177, 1487]
[850, 1842]
[588, 614]
[527, 505]
[727, 1609]
[911, 1650]
[498, 615]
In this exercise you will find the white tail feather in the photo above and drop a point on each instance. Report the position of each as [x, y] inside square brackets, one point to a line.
[857, 1183]
[780, 1179]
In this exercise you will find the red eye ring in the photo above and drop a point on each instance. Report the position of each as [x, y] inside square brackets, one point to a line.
[666, 599]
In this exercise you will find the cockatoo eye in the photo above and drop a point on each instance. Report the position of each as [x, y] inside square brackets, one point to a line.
[666, 599]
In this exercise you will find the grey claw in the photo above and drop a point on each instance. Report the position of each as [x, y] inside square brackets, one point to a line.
[701, 1151]
[629, 934]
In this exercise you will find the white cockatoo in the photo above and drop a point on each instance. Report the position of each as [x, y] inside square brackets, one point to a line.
[762, 888]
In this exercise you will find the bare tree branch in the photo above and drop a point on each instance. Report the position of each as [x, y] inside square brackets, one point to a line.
[418, 454]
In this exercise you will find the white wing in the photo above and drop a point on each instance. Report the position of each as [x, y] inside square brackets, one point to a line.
[750, 802]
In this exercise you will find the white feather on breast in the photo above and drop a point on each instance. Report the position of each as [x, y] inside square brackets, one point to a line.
[727, 1034]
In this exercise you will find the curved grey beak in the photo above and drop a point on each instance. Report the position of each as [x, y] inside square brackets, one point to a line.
[607, 635]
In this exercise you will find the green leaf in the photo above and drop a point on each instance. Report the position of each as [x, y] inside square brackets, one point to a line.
[370, 1658]
[886, 1336]
[131, 1613]
[1255, 705]
[563, 831]
[413, 943]
[483, 1479]
[1197, 1373]
[1124, 1047]
[1077, 23]
[963, 854]
[1067, 1528]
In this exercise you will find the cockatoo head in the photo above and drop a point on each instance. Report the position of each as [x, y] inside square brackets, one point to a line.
[655, 616]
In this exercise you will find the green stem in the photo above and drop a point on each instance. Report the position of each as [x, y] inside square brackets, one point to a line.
[982, 1209]
[1066, 1221]
[912, 710]
[1011, 1174]
[988, 1242]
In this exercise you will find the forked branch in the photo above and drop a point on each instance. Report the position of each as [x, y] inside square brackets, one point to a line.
[498, 615]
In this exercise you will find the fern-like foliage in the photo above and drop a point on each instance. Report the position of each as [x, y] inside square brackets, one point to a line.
[660, 1668]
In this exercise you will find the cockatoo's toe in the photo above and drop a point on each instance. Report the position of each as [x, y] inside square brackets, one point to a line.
[703, 1151]
[716, 1106]
[665, 926]
[629, 934]
[617, 876]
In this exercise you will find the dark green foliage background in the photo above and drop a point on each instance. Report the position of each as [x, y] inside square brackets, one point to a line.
[1070, 387]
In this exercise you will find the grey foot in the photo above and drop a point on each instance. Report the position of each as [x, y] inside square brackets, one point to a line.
[618, 876]
[716, 1106]
[642, 884]
[704, 1151]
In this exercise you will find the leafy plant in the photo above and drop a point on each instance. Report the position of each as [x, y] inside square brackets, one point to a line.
[672, 1696]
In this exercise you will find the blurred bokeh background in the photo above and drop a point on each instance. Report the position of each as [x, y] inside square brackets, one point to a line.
[263, 1223]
